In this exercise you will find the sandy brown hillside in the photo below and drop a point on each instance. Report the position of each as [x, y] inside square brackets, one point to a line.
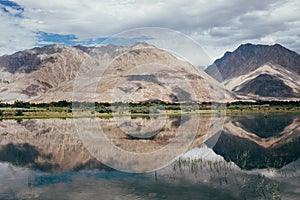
[108, 73]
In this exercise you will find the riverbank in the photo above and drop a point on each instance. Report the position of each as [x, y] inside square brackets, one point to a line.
[65, 112]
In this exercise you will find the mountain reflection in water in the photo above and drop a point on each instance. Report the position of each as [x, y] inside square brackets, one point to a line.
[254, 141]
[247, 157]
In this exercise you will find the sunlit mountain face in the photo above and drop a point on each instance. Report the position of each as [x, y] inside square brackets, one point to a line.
[48, 74]
[104, 74]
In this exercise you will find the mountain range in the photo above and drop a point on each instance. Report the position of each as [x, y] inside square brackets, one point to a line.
[142, 72]
[259, 72]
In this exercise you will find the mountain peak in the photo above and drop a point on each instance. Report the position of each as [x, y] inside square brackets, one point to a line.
[239, 69]
[278, 45]
[247, 45]
[140, 45]
[140, 72]
[248, 57]
[31, 59]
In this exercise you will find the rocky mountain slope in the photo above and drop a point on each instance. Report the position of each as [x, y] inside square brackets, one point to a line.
[107, 73]
[142, 72]
[29, 74]
[259, 72]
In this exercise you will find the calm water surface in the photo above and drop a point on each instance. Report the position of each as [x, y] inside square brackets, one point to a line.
[242, 157]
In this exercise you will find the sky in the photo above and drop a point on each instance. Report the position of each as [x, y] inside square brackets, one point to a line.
[217, 26]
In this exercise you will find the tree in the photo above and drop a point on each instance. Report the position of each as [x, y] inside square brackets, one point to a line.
[19, 113]
[21, 104]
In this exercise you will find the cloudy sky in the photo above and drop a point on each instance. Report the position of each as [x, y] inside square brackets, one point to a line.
[216, 26]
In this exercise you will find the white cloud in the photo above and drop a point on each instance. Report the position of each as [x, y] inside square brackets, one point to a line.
[13, 36]
[216, 25]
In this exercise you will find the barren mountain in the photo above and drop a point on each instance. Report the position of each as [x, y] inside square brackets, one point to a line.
[107, 73]
[259, 72]
[30, 73]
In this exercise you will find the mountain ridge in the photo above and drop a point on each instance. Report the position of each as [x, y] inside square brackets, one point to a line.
[50, 73]
[244, 68]
[43, 74]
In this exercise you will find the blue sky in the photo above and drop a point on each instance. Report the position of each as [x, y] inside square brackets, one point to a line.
[10, 4]
[48, 38]
[14, 12]
[217, 26]
[72, 40]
